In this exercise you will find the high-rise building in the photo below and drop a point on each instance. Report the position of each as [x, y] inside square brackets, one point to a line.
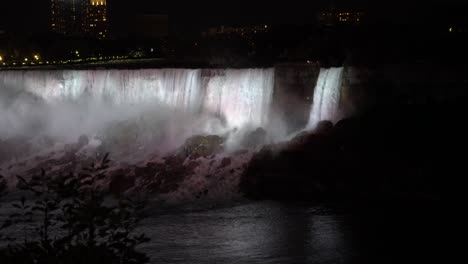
[82, 18]
[67, 16]
[336, 17]
[96, 23]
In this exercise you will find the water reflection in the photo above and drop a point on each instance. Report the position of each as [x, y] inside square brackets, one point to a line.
[270, 233]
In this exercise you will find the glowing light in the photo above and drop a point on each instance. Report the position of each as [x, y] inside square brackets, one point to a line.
[326, 96]
[1, 58]
[36, 57]
[450, 30]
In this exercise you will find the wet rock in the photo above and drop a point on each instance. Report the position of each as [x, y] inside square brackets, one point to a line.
[241, 152]
[255, 138]
[201, 146]
[324, 127]
[225, 162]
[166, 177]
[191, 166]
[146, 171]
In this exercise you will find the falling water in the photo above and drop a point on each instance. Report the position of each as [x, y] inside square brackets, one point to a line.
[327, 94]
[243, 97]
[174, 88]
[238, 97]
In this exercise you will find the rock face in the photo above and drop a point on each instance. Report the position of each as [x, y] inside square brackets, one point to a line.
[255, 138]
[354, 159]
[225, 162]
[294, 93]
[198, 168]
[324, 127]
[201, 146]
[164, 177]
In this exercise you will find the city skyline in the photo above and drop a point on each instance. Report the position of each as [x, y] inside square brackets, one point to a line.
[81, 18]
[36, 18]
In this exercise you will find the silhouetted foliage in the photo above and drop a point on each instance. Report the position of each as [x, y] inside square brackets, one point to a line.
[74, 221]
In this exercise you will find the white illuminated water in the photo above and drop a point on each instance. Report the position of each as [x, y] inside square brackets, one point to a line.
[243, 97]
[236, 98]
[240, 97]
[174, 88]
[327, 96]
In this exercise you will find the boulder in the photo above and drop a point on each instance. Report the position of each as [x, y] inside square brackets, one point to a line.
[225, 162]
[254, 138]
[165, 177]
[201, 146]
[324, 127]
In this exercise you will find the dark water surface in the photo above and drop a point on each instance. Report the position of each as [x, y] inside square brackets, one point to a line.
[270, 232]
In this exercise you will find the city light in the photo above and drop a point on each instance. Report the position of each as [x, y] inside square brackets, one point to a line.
[1, 58]
[36, 57]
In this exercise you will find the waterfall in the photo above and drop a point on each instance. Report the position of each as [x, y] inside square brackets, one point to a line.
[243, 97]
[327, 95]
[240, 97]
[170, 87]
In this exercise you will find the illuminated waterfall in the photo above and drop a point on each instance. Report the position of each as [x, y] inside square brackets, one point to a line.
[174, 88]
[240, 97]
[327, 95]
[243, 97]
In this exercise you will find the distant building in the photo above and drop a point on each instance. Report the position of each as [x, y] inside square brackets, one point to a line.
[67, 16]
[97, 19]
[246, 30]
[81, 18]
[337, 17]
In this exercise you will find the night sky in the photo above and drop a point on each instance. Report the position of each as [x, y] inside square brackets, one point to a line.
[31, 16]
